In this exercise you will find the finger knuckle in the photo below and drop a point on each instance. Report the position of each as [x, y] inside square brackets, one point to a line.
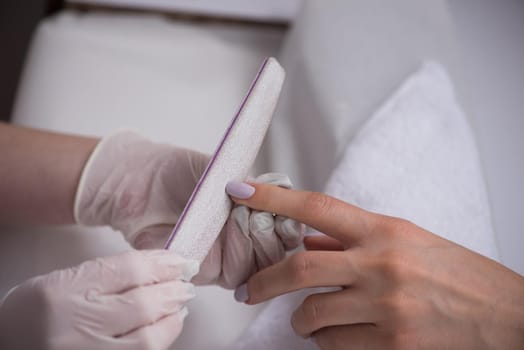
[316, 202]
[398, 227]
[394, 266]
[300, 268]
[312, 312]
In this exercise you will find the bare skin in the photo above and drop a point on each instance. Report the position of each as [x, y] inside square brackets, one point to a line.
[39, 174]
[401, 287]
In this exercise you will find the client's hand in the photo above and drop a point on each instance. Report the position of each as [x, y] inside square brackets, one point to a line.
[401, 287]
[140, 188]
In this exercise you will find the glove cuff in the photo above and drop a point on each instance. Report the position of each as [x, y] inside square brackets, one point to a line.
[94, 195]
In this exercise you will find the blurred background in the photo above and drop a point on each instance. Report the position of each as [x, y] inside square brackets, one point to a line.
[169, 67]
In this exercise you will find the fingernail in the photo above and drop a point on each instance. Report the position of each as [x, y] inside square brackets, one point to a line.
[241, 294]
[239, 190]
[190, 269]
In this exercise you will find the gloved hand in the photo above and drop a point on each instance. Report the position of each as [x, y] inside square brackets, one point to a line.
[130, 301]
[140, 188]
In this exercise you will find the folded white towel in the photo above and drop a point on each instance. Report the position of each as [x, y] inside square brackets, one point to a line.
[415, 158]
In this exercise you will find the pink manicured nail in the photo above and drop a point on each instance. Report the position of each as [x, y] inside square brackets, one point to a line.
[241, 294]
[239, 190]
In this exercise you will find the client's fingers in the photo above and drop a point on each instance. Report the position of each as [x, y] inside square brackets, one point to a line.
[343, 307]
[302, 270]
[322, 243]
[326, 214]
[289, 231]
[354, 337]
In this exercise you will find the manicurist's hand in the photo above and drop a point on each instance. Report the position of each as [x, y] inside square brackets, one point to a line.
[135, 300]
[137, 187]
[140, 188]
[401, 287]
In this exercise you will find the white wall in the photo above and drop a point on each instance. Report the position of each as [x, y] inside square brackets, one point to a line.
[492, 38]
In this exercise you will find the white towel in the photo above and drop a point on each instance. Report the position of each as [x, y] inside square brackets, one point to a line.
[416, 158]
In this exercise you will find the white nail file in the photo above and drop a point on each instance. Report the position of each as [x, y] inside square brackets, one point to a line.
[209, 206]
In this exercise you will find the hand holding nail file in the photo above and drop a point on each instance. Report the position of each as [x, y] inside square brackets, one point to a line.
[209, 206]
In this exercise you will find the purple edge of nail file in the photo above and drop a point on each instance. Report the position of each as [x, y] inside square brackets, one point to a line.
[209, 206]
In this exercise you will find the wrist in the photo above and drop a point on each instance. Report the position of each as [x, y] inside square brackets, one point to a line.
[99, 198]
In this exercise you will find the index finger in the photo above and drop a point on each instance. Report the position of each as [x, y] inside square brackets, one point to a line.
[338, 219]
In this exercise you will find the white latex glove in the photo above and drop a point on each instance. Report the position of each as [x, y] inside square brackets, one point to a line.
[140, 188]
[130, 301]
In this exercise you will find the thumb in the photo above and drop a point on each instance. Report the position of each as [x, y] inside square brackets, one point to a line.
[152, 237]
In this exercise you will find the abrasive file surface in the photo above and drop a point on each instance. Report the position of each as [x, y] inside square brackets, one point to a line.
[209, 206]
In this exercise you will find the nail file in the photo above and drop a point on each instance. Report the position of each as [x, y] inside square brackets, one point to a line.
[209, 206]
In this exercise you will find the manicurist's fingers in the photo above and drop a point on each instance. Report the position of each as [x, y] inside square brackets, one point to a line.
[116, 274]
[122, 313]
[326, 214]
[301, 270]
[238, 256]
[159, 335]
[266, 244]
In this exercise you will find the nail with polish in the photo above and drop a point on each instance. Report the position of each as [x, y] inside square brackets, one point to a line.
[241, 294]
[239, 190]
